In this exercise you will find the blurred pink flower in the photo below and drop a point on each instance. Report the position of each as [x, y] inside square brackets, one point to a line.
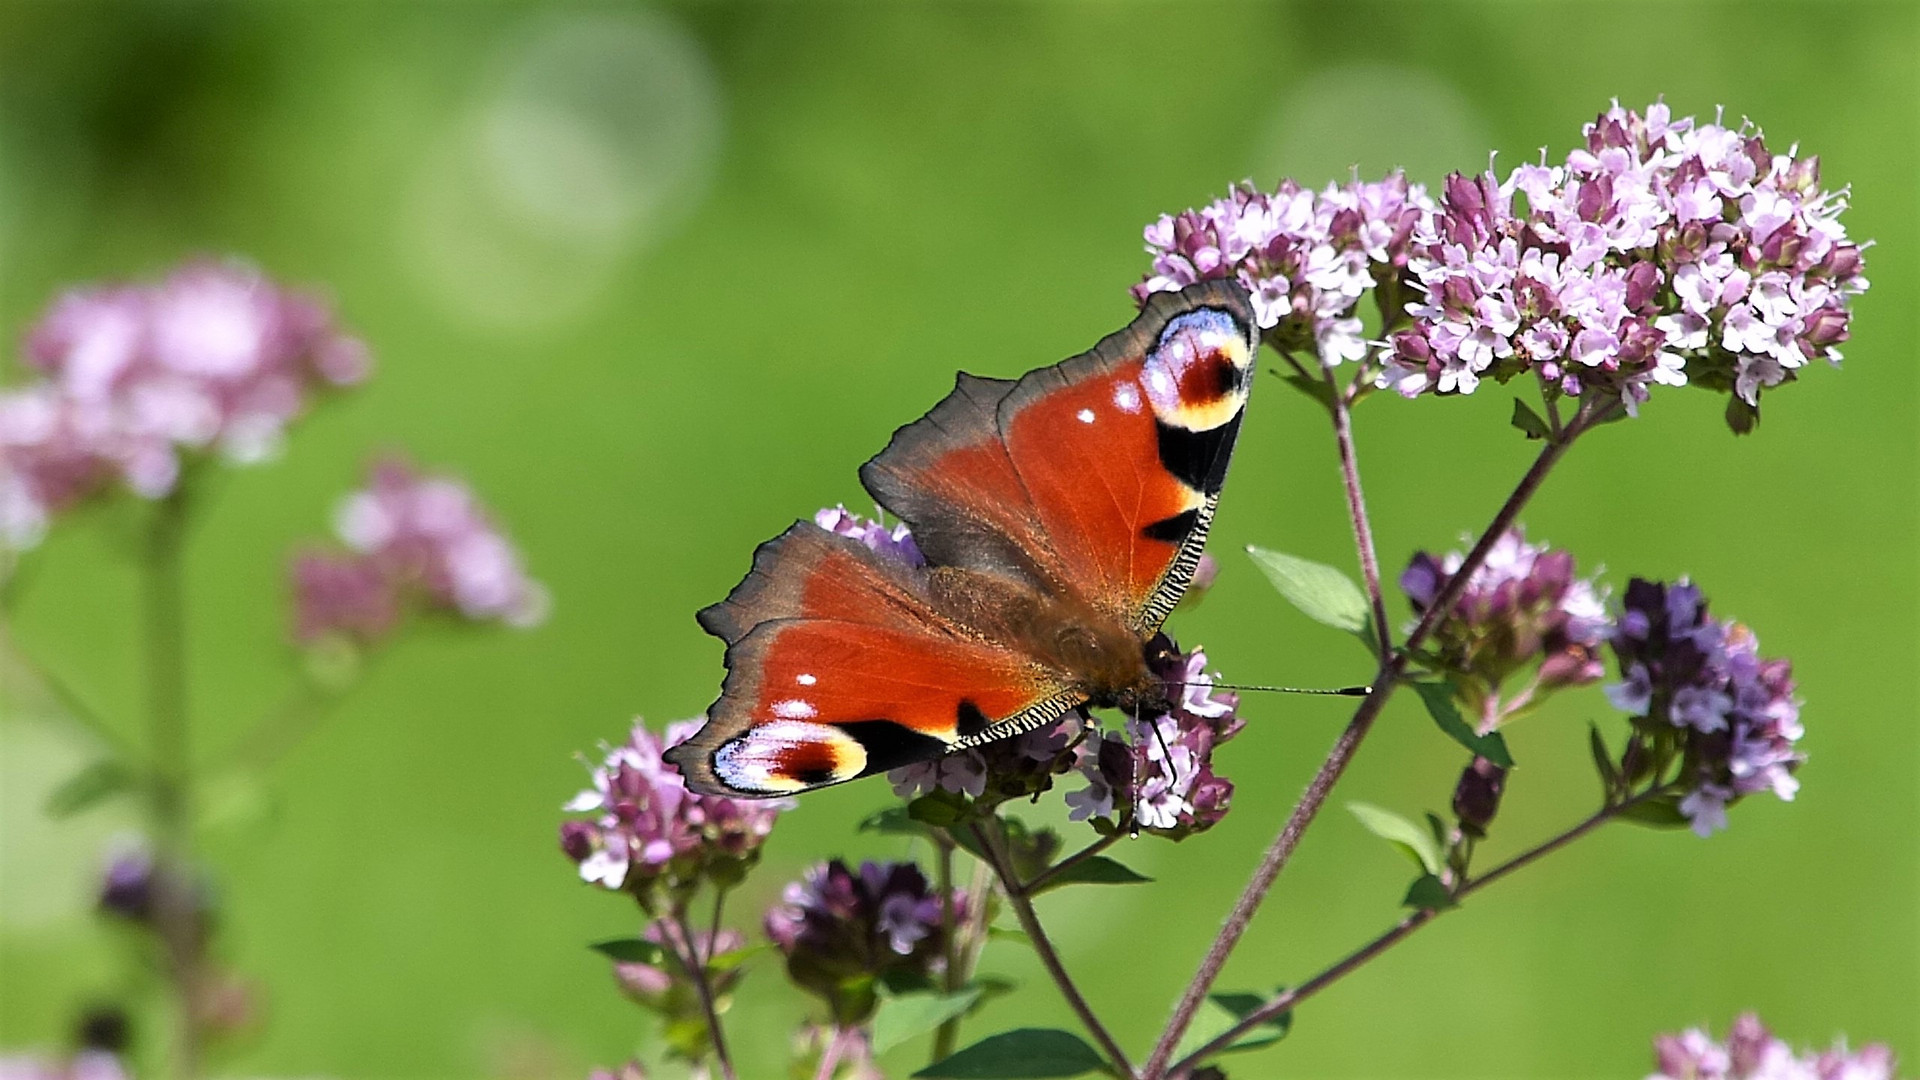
[215, 358]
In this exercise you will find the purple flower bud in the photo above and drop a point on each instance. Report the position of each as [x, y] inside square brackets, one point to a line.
[343, 595]
[1476, 798]
[1689, 677]
[1524, 605]
[840, 928]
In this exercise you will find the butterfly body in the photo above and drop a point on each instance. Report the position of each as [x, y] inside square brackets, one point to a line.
[1059, 517]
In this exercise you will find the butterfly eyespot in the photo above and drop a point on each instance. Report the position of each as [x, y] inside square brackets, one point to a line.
[1196, 377]
[784, 756]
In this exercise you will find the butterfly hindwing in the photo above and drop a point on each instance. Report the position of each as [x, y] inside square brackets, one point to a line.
[837, 667]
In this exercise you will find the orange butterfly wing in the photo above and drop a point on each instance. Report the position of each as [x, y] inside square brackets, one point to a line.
[1095, 478]
[838, 667]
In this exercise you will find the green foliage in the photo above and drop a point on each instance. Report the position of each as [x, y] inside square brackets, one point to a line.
[1414, 842]
[1438, 698]
[903, 1016]
[1093, 870]
[1322, 593]
[1024, 1054]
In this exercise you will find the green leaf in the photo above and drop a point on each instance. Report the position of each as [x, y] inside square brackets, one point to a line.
[1317, 389]
[1429, 893]
[1661, 813]
[1093, 870]
[1269, 1031]
[1603, 760]
[941, 809]
[1528, 421]
[1023, 1054]
[893, 820]
[1008, 933]
[1322, 593]
[1438, 697]
[1416, 842]
[903, 1017]
[96, 783]
[631, 951]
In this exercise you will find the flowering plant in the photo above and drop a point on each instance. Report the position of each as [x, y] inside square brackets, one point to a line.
[142, 391]
[1659, 252]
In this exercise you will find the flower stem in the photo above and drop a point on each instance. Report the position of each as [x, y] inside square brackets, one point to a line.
[171, 784]
[989, 836]
[830, 1055]
[687, 952]
[1392, 667]
[1357, 509]
[948, 1033]
[1406, 926]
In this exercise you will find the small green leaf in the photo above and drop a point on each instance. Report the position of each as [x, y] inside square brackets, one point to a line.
[1240, 1006]
[1438, 697]
[1603, 760]
[1094, 870]
[1322, 593]
[903, 1017]
[1411, 839]
[631, 951]
[96, 783]
[941, 809]
[990, 987]
[1528, 421]
[1429, 893]
[1008, 933]
[893, 820]
[1661, 813]
[1023, 1054]
[1317, 389]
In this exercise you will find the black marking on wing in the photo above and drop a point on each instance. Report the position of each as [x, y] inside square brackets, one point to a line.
[1198, 458]
[890, 745]
[1172, 529]
[968, 720]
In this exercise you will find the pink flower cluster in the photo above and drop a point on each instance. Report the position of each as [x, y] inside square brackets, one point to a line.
[411, 537]
[214, 358]
[1306, 258]
[1662, 251]
[1751, 1052]
[1524, 604]
[647, 827]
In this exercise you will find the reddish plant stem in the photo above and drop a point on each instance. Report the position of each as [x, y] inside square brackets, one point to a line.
[988, 835]
[1357, 511]
[1347, 964]
[1392, 667]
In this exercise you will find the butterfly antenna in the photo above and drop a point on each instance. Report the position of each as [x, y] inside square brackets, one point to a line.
[1342, 691]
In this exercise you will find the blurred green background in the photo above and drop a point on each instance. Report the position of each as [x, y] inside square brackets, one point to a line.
[657, 279]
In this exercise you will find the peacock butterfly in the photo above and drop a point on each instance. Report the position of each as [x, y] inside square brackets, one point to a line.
[1061, 516]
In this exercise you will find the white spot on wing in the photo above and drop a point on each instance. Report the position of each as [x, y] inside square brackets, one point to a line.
[794, 709]
[1085, 416]
[805, 680]
[1126, 397]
